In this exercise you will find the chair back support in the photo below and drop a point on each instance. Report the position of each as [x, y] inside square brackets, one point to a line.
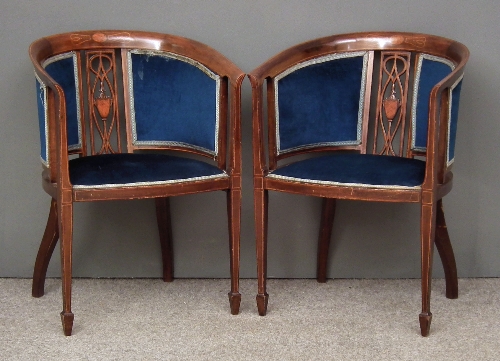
[364, 92]
[174, 98]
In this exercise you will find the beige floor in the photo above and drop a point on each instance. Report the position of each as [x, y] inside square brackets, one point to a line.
[190, 320]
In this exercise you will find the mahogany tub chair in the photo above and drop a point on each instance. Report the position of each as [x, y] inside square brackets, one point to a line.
[378, 112]
[118, 112]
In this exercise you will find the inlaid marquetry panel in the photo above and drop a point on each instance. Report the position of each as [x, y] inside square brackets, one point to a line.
[103, 102]
[390, 123]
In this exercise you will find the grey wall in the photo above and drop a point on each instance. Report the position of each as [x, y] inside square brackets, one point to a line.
[119, 239]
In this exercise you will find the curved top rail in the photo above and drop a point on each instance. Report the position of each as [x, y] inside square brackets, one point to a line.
[400, 41]
[46, 47]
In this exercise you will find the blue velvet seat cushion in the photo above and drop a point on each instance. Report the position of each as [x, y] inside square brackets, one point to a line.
[356, 169]
[128, 169]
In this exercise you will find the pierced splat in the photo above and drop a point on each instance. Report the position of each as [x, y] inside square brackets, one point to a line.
[103, 110]
[391, 103]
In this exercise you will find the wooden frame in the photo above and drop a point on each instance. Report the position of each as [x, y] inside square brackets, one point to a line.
[438, 177]
[56, 179]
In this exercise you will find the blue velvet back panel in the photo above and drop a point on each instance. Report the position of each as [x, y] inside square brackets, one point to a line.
[319, 102]
[430, 71]
[62, 69]
[173, 101]
[452, 130]
[42, 117]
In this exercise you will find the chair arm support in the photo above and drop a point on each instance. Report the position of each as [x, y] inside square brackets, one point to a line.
[62, 139]
[235, 165]
[259, 162]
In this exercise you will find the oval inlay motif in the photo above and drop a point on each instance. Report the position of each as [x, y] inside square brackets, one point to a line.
[397, 39]
[99, 37]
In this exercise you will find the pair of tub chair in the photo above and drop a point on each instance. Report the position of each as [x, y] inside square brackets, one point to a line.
[372, 116]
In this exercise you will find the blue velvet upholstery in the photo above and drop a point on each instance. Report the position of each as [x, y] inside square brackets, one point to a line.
[62, 70]
[430, 71]
[174, 101]
[360, 169]
[129, 169]
[42, 120]
[319, 102]
[452, 131]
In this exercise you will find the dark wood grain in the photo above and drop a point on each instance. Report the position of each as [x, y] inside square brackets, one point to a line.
[445, 250]
[324, 238]
[49, 241]
[164, 221]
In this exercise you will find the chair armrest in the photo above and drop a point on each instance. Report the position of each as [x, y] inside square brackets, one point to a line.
[235, 165]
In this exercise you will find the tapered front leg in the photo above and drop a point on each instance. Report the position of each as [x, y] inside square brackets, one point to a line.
[428, 223]
[261, 200]
[325, 235]
[49, 241]
[66, 233]
[445, 250]
[164, 221]
[234, 225]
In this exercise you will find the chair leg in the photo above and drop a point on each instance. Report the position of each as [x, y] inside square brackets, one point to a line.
[49, 241]
[66, 233]
[325, 235]
[234, 225]
[165, 229]
[261, 200]
[445, 251]
[427, 229]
